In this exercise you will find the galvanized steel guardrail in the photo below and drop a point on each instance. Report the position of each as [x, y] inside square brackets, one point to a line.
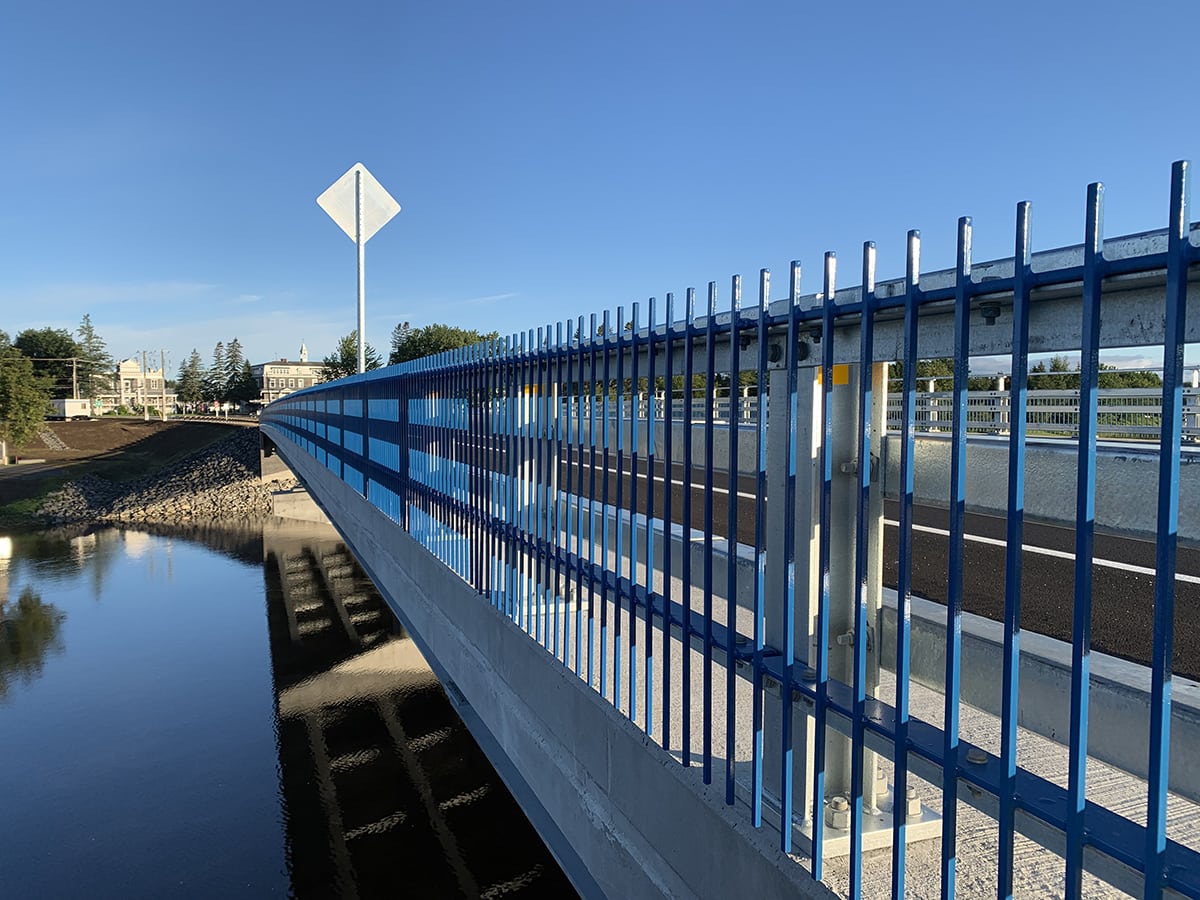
[482, 456]
[1122, 413]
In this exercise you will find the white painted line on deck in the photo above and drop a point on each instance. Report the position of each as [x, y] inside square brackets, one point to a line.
[716, 488]
[1046, 551]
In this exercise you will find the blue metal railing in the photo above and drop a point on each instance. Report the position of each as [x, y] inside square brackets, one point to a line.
[516, 462]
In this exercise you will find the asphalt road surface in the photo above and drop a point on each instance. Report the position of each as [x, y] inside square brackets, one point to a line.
[1122, 570]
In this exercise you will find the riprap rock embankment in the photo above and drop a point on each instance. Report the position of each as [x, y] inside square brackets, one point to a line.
[219, 482]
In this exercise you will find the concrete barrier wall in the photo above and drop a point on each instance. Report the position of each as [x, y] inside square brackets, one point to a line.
[621, 815]
[746, 435]
[1127, 479]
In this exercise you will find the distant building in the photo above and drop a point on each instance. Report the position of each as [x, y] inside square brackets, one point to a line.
[132, 388]
[279, 378]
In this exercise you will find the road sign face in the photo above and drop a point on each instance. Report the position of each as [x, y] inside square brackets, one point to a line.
[378, 206]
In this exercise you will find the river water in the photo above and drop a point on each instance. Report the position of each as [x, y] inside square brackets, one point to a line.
[234, 713]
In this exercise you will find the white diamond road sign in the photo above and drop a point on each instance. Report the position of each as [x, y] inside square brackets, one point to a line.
[378, 206]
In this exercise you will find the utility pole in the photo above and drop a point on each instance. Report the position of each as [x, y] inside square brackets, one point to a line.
[145, 390]
[162, 357]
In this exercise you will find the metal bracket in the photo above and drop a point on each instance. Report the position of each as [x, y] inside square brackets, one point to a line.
[847, 638]
[850, 467]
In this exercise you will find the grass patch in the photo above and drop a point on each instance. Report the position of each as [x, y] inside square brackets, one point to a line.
[21, 513]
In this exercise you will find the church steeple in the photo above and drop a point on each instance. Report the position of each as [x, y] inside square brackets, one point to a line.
[303, 352]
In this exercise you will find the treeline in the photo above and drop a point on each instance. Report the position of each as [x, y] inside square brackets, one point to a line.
[42, 364]
[1057, 375]
[227, 379]
[65, 364]
[407, 343]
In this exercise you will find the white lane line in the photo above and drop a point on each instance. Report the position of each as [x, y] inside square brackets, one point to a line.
[717, 489]
[1046, 551]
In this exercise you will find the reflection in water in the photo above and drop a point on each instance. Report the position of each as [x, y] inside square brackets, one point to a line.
[168, 754]
[385, 791]
[29, 630]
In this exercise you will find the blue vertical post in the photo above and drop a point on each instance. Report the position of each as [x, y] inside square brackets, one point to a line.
[500, 416]
[634, 412]
[570, 521]
[458, 432]
[619, 509]
[533, 482]
[648, 635]
[594, 399]
[1170, 438]
[579, 523]
[542, 482]
[528, 477]
[494, 464]
[954, 581]
[545, 487]
[493, 467]
[512, 609]
[475, 431]
[689, 346]
[866, 357]
[731, 530]
[366, 438]
[557, 462]
[604, 511]
[788, 424]
[668, 511]
[1018, 405]
[821, 710]
[550, 380]
[760, 545]
[1085, 528]
[710, 390]
[514, 469]
[912, 278]
[403, 389]
[445, 489]
[524, 486]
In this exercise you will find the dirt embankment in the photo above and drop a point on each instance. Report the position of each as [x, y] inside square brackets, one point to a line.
[129, 470]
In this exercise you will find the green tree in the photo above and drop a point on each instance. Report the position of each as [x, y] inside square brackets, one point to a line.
[941, 372]
[1109, 377]
[214, 378]
[344, 360]
[410, 343]
[242, 387]
[191, 379]
[1058, 376]
[234, 358]
[95, 366]
[24, 401]
[51, 349]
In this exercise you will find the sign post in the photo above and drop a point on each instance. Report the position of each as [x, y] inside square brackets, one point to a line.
[360, 206]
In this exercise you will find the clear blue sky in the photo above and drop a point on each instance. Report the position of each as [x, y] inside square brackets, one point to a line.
[162, 160]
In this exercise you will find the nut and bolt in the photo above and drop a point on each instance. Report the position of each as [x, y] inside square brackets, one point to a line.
[837, 813]
[912, 804]
[881, 784]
